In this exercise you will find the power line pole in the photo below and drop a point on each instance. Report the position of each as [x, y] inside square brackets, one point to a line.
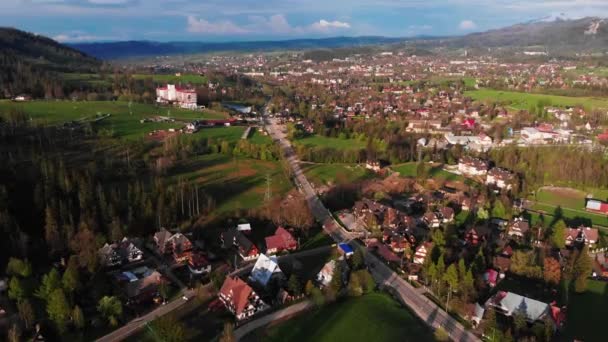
[268, 194]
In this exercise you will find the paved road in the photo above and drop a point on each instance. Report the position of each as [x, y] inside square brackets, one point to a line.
[428, 311]
[275, 316]
[138, 323]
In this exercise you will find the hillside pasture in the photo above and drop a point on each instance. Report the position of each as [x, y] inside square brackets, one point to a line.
[235, 183]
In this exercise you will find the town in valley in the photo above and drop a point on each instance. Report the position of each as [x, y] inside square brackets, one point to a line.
[438, 187]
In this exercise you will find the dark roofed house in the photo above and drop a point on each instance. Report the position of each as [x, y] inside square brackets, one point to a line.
[233, 237]
[447, 214]
[502, 263]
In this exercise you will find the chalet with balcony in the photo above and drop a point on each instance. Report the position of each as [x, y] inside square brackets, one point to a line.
[240, 299]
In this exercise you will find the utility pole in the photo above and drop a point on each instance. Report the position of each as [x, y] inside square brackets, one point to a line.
[268, 194]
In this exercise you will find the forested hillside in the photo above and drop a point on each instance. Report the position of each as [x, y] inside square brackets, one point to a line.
[29, 63]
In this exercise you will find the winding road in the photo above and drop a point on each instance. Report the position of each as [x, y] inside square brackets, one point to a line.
[424, 308]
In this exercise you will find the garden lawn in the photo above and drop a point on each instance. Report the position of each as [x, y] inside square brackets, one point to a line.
[123, 122]
[373, 317]
[523, 101]
[587, 313]
[234, 182]
[333, 173]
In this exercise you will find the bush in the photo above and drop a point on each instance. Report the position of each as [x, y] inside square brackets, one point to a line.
[441, 335]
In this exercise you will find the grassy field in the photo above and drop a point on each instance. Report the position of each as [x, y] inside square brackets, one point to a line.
[373, 317]
[572, 203]
[230, 134]
[335, 143]
[587, 313]
[187, 78]
[409, 170]
[332, 173]
[124, 121]
[257, 137]
[518, 100]
[96, 79]
[235, 183]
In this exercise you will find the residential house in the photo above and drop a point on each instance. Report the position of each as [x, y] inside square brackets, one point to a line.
[161, 239]
[447, 214]
[431, 220]
[282, 240]
[139, 284]
[581, 235]
[422, 251]
[198, 264]
[180, 247]
[503, 264]
[246, 249]
[265, 269]
[326, 274]
[501, 178]
[240, 299]
[519, 227]
[509, 303]
[470, 166]
[116, 254]
[476, 235]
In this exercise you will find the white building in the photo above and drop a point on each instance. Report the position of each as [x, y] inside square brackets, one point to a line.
[183, 97]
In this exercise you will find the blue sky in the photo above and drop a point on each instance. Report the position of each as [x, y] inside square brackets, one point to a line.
[229, 20]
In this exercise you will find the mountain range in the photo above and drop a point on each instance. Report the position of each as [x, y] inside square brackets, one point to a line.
[551, 33]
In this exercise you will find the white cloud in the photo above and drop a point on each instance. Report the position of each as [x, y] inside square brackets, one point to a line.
[275, 24]
[467, 25]
[323, 25]
[80, 37]
[220, 27]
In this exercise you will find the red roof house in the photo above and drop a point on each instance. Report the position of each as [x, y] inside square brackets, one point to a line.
[281, 240]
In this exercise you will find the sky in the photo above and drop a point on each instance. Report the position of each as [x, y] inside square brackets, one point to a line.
[248, 20]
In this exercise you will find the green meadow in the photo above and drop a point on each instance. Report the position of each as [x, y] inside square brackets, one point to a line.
[124, 120]
[523, 101]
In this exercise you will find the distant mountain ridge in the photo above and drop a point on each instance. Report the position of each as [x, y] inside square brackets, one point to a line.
[41, 51]
[116, 50]
[585, 34]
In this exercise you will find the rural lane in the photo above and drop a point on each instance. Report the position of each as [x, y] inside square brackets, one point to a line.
[424, 308]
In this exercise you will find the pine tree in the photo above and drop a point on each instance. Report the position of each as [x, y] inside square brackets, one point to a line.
[70, 279]
[16, 290]
[26, 313]
[78, 318]
[51, 230]
[50, 282]
[58, 309]
[111, 309]
[558, 238]
[582, 269]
